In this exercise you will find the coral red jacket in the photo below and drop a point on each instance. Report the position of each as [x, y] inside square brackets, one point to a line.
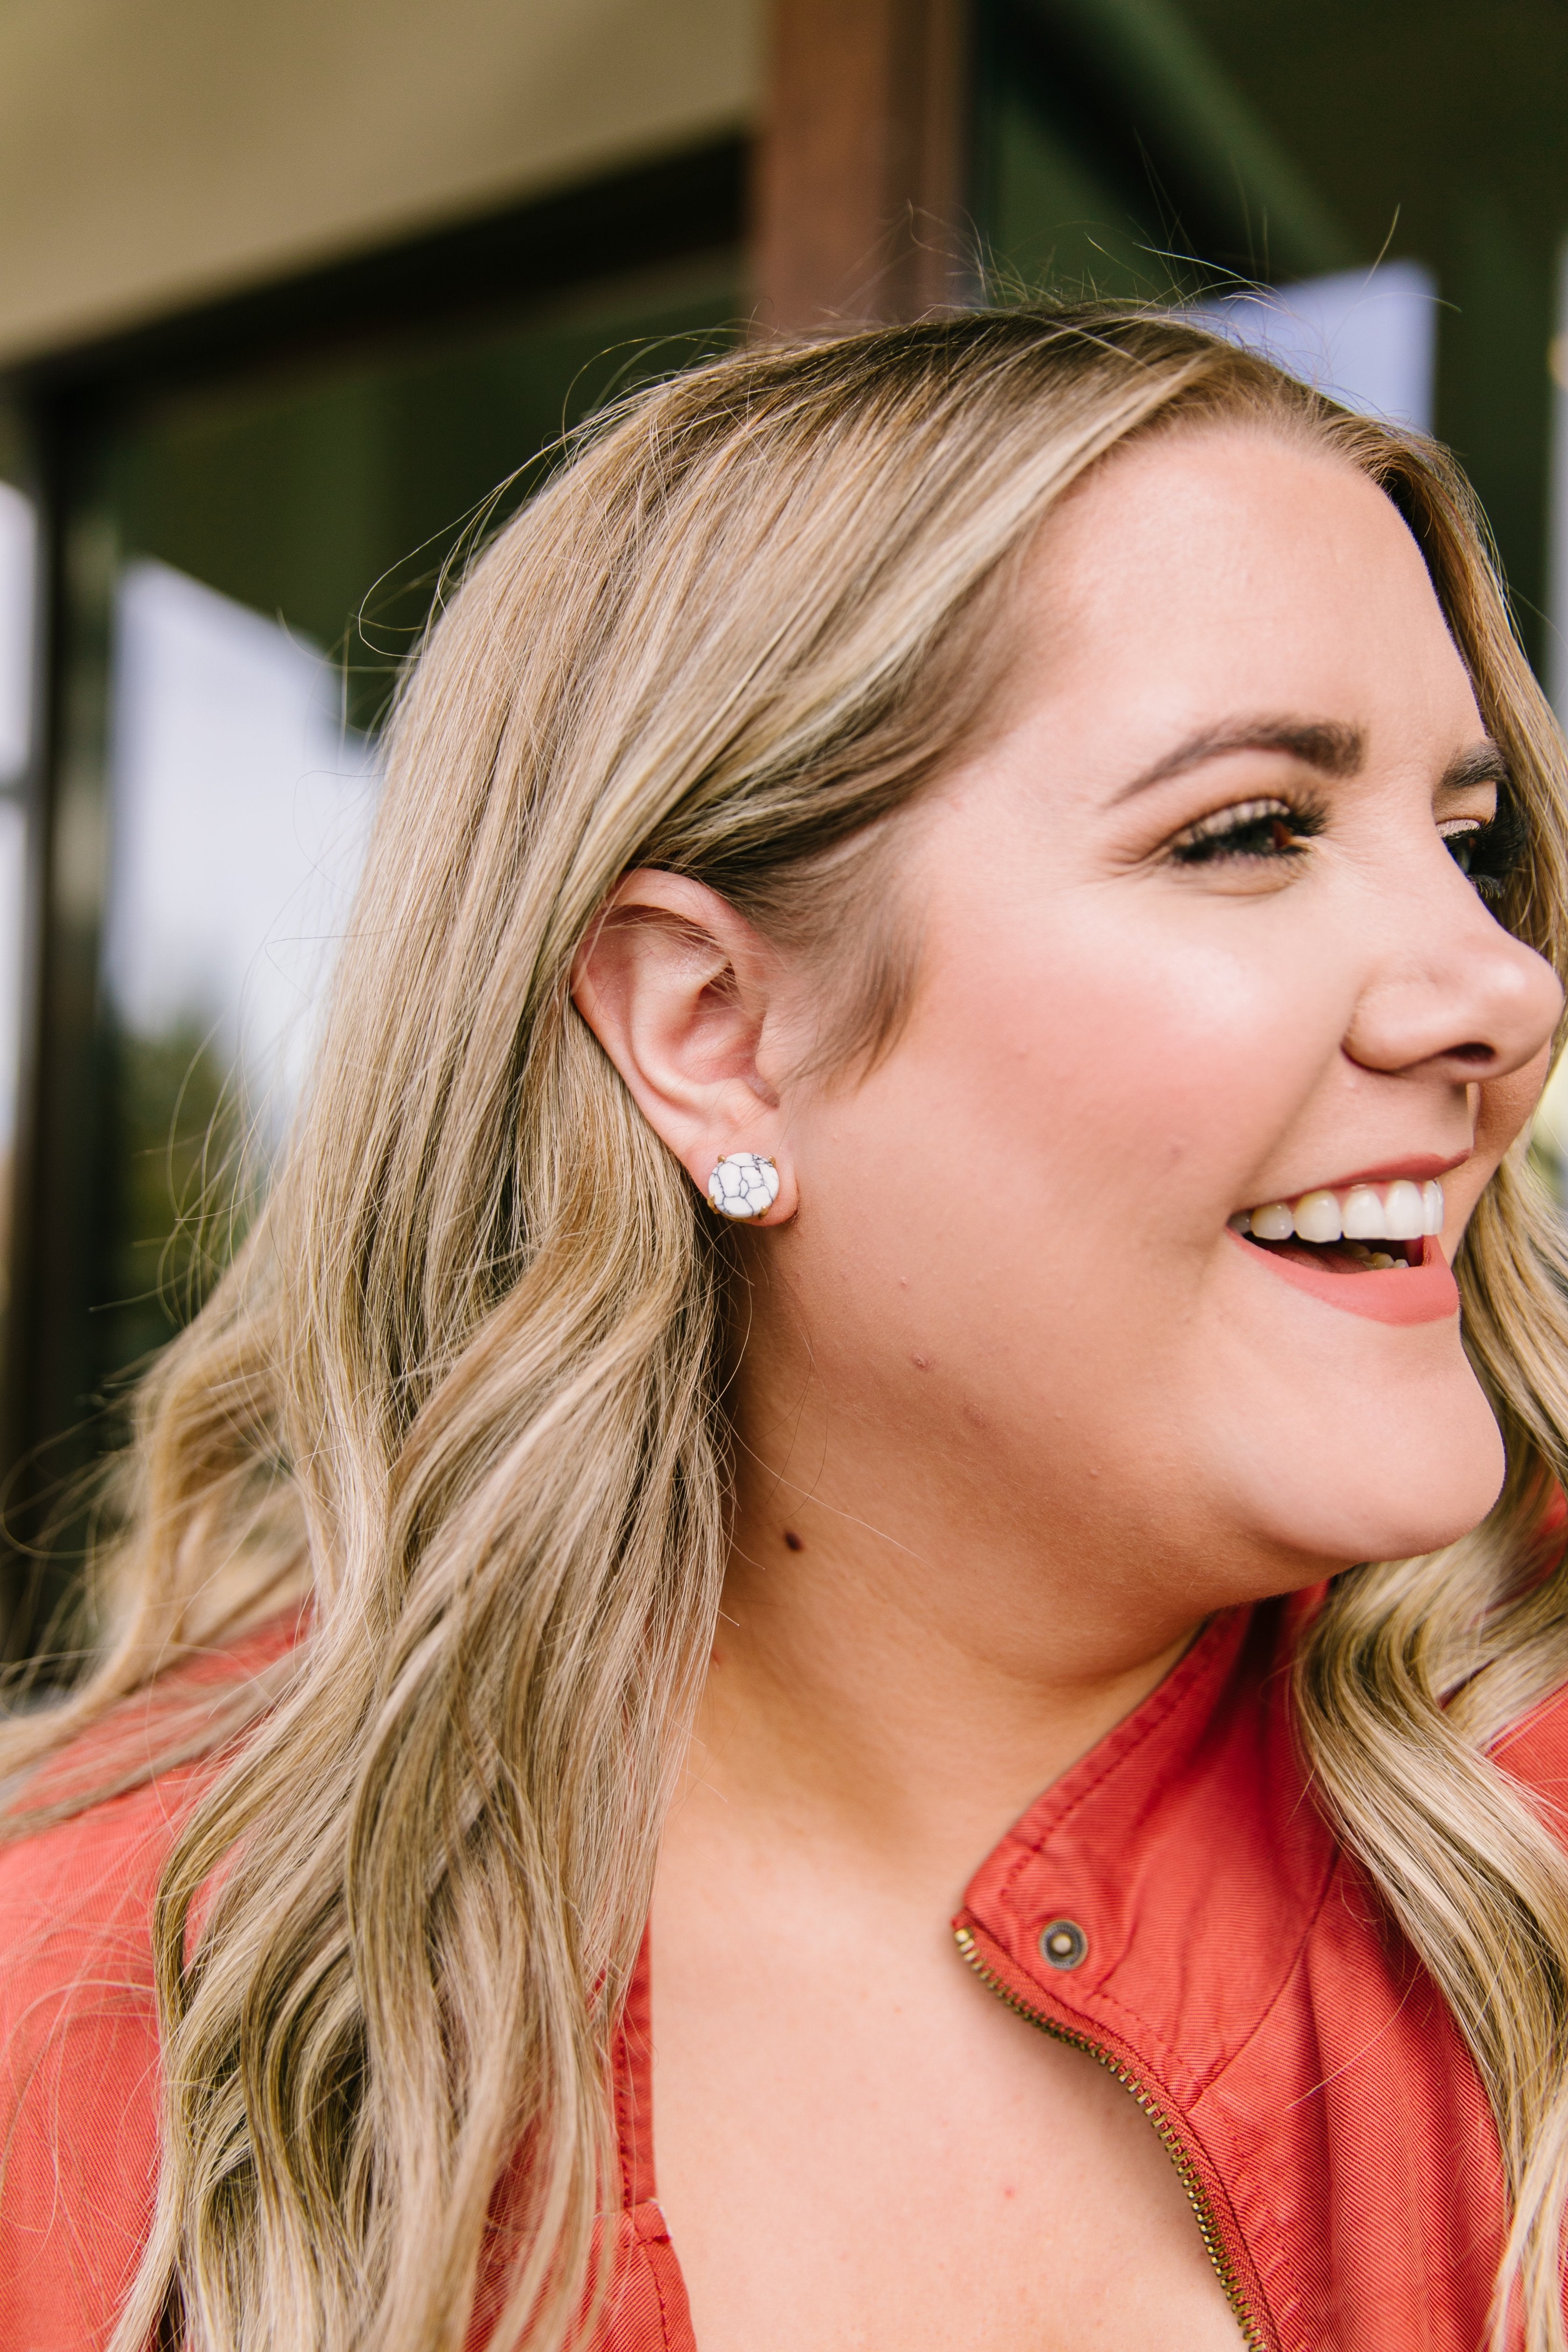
[1223, 1958]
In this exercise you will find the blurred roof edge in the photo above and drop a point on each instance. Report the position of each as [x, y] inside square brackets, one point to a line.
[155, 157]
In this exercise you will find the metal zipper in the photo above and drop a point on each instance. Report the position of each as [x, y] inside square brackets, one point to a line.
[1186, 2171]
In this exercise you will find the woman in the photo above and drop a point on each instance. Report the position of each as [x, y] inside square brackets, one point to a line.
[965, 920]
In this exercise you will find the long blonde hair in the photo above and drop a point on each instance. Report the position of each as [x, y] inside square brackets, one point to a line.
[465, 1376]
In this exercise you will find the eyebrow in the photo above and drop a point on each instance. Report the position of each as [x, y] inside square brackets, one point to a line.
[1333, 749]
[1484, 765]
[1326, 744]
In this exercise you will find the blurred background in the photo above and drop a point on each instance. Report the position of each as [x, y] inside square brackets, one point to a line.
[286, 291]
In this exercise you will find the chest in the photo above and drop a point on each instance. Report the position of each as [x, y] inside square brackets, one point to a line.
[857, 2140]
[857, 2145]
[833, 2140]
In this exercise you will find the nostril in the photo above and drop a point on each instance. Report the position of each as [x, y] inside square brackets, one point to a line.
[1472, 1053]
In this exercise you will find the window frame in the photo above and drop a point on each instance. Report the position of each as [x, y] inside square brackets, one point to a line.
[678, 209]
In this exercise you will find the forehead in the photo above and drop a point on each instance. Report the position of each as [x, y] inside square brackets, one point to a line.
[1222, 568]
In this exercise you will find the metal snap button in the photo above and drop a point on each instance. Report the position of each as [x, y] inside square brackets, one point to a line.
[1064, 1943]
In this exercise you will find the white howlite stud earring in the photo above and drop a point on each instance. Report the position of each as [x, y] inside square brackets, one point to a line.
[743, 1186]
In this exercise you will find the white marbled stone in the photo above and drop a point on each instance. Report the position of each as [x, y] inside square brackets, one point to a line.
[744, 1185]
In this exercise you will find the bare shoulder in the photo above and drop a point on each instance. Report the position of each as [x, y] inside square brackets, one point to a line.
[79, 2080]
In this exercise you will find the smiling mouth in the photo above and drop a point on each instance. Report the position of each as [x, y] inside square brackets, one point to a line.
[1372, 1248]
[1361, 1229]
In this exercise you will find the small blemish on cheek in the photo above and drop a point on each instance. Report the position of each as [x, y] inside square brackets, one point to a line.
[796, 1543]
[921, 1363]
[975, 1418]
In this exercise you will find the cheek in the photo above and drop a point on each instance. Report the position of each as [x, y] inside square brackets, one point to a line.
[1506, 1104]
[1124, 1074]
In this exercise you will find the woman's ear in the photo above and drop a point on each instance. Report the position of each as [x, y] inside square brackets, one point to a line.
[676, 987]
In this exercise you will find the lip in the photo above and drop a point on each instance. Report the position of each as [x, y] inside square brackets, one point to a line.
[1427, 1293]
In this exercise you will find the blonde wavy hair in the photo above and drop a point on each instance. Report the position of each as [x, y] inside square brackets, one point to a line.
[465, 1379]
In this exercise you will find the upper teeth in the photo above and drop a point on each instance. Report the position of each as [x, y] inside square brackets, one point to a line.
[1364, 1213]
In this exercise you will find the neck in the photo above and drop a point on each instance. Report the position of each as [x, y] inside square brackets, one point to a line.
[899, 1670]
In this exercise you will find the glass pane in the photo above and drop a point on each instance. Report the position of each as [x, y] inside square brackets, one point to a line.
[238, 808]
[17, 556]
[12, 847]
[1406, 159]
[18, 535]
[1366, 337]
[329, 499]
[230, 764]
[278, 543]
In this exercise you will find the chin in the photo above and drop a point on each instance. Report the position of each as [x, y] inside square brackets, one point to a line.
[1408, 1468]
[1420, 1497]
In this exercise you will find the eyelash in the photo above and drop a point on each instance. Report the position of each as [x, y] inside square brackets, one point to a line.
[1271, 832]
[1491, 853]
[1261, 831]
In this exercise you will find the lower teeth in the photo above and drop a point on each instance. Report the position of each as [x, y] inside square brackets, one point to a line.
[1370, 1260]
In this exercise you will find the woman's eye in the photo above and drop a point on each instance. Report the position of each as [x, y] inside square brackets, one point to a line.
[1488, 853]
[1270, 830]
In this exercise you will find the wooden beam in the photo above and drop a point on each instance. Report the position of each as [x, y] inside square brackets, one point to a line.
[863, 163]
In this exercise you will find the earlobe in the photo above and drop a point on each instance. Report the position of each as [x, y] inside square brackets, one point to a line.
[678, 987]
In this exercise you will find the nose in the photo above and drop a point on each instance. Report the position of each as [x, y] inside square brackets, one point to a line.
[1450, 990]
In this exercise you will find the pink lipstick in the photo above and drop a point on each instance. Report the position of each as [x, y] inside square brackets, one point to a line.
[1424, 1293]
